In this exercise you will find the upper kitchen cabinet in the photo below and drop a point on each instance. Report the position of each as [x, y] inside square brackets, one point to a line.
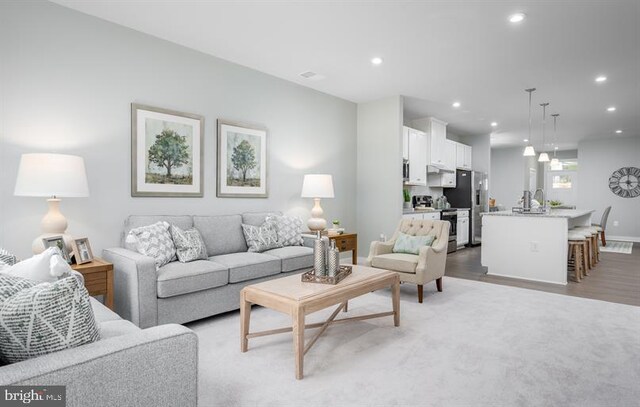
[446, 176]
[416, 151]
[437, 140]
[463, 156]
[450, 151]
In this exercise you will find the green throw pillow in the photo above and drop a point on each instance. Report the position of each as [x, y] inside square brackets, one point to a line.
[411, 244]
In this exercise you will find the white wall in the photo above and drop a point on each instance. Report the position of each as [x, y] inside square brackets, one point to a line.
[507, 175]
[597, 159]
[379, 181]
[66, 84]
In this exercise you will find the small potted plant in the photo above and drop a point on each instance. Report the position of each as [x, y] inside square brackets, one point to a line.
[407, 199]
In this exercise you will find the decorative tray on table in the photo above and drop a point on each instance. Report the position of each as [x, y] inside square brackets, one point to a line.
[310, 276]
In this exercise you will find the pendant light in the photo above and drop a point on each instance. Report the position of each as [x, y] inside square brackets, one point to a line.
[529, 150]
[555, 163]
[544, 157]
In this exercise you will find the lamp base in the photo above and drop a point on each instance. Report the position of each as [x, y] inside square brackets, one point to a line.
[316, 222]
[53, 224]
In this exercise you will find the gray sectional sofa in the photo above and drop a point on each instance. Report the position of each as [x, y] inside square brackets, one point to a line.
[183, 292]
[128, 366]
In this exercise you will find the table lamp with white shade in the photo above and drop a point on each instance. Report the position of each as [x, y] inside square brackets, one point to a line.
[317, 186]
[52, 176]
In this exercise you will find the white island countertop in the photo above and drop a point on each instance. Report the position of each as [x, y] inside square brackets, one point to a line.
[553, 213]
[530, 246]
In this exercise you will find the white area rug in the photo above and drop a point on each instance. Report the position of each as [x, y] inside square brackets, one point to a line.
[617, 247]
[475, 344]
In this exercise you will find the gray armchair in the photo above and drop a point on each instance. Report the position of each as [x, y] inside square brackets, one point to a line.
[419, 269]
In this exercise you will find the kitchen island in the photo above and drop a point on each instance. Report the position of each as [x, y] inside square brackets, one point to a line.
[529, 246]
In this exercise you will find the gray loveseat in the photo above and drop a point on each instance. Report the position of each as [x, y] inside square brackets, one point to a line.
[183, 292]
[128, 366]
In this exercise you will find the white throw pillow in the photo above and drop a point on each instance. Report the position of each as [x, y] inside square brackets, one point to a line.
[153, 241]
[48, 266]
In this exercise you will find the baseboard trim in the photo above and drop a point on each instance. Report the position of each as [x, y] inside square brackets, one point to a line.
[624, 238]
[525, 279]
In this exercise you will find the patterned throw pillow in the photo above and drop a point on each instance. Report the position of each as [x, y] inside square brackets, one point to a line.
[261, 238]
[189, 244]
[289, 229]
[153, 241]
[10, 285]
[411, 244]
[7, 258]
[46, 318]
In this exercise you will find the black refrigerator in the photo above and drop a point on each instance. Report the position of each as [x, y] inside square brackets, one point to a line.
[470, 192]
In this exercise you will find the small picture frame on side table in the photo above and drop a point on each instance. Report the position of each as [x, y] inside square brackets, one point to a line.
[82, 250]
[57, 241]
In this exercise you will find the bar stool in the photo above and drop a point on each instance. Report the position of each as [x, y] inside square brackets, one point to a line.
[589, 264]
[577, 258]
[595, 249]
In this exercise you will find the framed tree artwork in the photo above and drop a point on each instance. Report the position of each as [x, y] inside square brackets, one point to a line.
[242, 161]
[166, 152]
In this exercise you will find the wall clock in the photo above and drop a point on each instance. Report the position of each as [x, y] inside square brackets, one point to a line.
[625, 182]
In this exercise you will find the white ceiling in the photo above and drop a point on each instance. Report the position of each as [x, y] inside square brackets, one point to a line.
[434, 52]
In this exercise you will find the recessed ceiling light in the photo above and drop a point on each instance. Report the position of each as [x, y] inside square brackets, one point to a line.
[376, 60]
[517, 17]
[494, 124]
[611, 109]
[601, 78]
[526, 140]
[456, 104]
[618, 131]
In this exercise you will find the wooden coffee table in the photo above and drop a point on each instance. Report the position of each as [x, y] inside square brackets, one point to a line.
[297, 299]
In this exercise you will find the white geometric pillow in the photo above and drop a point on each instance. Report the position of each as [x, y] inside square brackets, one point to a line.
[46, 318]
[189, 244]
[262, 238]
[153, 241]
[289, 229]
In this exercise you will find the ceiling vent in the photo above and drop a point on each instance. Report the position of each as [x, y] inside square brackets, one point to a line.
[311, 76]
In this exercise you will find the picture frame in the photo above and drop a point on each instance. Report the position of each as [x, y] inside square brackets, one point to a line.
[57, 241]
[82, 250]
[167, 153]
[242, 161]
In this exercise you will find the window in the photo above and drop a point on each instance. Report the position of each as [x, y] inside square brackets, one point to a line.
[565, 165]
[561, 182]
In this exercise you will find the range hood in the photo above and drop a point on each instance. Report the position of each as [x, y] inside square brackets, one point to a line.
[438, 168]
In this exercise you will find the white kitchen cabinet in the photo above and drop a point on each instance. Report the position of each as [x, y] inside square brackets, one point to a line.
[417, 141]
[443, 180]
[450, 155]
[431, 215]
[435, 215]
[462, 236]
[463, 156]
[437, 141]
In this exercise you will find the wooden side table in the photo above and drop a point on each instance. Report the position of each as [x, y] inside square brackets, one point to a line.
[98, 278]
[347, 242]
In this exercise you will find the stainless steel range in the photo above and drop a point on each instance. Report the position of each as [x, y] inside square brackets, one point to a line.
[451, 216]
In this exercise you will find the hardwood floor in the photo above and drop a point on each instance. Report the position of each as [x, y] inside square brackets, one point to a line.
[615, 279]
